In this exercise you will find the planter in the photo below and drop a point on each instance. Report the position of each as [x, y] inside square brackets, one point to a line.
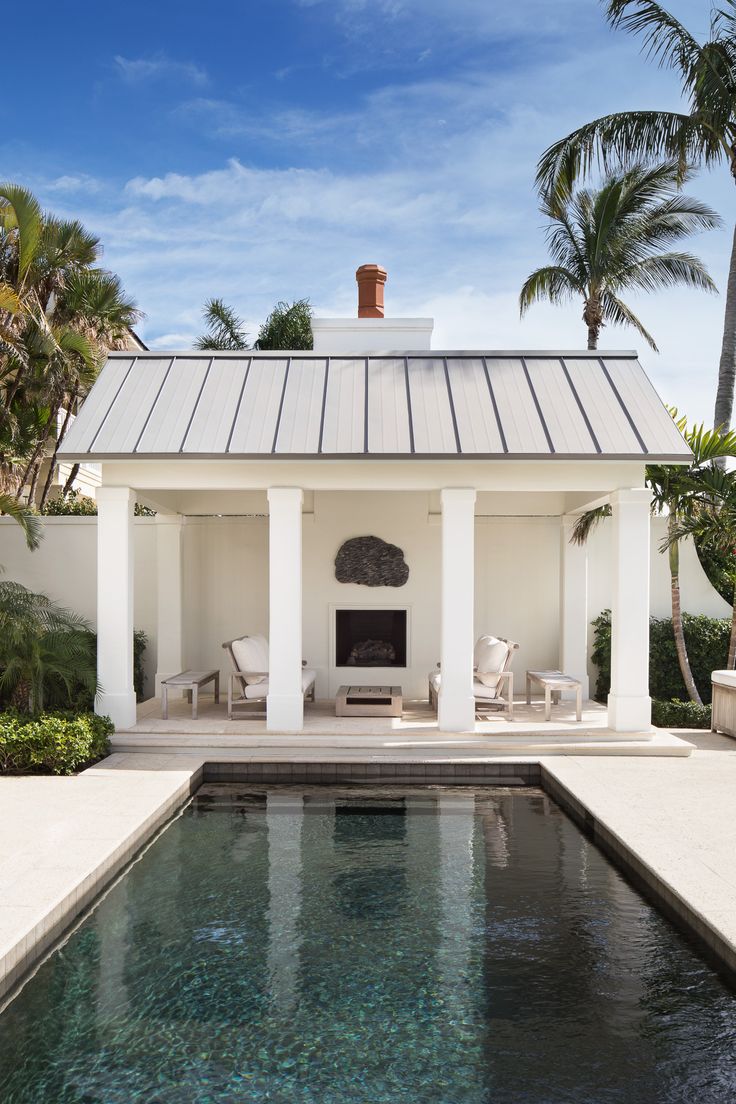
[723, 718]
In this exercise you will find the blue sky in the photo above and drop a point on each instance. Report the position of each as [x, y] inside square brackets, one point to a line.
[263, 150]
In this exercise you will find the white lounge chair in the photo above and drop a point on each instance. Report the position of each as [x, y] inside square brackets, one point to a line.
[248, 682]
[493, 680]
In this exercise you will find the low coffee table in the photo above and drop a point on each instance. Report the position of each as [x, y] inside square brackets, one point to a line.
[191, 681]
[368, 701]
[553, 683]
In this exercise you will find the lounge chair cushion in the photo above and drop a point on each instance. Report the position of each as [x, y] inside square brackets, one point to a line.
[489, 656]
[480, 692]
[251, 654]
[260, 689]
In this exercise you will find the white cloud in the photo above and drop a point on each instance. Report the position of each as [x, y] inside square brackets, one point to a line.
[141, 70]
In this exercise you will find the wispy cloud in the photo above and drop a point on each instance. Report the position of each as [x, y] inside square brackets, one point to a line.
[142, 70]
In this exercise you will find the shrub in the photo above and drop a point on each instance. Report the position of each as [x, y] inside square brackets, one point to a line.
[707, 647]
[79, 697]
[75, 504]
[680, 714]
[53, 743]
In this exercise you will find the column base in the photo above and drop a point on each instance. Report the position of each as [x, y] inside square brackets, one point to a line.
[120, 708]
[629, 714]
[285, 712]
[455, 714]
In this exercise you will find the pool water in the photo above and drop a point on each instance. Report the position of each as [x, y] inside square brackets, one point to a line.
[328, 946]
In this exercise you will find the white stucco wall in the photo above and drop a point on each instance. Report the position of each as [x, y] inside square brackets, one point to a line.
[225, 579]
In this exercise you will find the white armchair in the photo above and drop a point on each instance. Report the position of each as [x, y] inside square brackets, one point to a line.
[493, 679]
[248, 682]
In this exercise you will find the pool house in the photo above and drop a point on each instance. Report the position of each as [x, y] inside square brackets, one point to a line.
[372, 507]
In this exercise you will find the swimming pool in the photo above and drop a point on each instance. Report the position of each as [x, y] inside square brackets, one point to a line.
[433, 946]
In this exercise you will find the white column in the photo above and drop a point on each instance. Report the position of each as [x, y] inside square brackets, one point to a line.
[629, 704]
[169, 659]
[456, 701]
[285, 703]
[573, 606]
[116, 696]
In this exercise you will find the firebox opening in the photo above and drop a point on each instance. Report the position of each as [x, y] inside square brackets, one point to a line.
[370, 638]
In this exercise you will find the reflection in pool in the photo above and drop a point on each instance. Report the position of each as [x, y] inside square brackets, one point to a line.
[331, 946]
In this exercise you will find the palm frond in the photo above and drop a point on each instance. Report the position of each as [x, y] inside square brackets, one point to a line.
[225, 330]
[587, 522]
[618, 313]
[553, 282]
[20, 211]
[29, 522]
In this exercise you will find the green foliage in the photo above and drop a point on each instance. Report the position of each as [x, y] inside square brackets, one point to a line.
[718, 567]
[224, 329]
[80, 697]
[76, 504]
[288, 326]
[44, 648]
[680, 714]
[617, 238]
[29, 522]
[707, 646]
[52, 743]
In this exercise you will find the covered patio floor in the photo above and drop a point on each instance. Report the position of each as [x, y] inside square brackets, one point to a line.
[413, 736]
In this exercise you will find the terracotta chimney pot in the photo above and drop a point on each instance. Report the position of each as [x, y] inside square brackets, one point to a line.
[371, 278]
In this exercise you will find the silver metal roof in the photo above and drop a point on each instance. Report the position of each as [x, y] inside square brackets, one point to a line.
[479, 405]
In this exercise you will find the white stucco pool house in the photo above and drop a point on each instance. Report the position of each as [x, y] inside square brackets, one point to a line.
[260, 466]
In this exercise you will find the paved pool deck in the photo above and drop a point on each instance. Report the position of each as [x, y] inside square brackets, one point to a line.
[669, 821]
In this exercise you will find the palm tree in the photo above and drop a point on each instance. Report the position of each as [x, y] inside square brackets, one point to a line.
[288, 326]
[679, 491]
[41, 645]
[224, 328]
[703, 133]
[711, 521]
[58, 316]
[608, 241]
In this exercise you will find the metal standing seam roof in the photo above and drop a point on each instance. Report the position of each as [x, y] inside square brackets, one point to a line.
[473, 405]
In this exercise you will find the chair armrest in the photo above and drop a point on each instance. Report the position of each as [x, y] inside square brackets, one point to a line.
[508, 677]
[242, 675]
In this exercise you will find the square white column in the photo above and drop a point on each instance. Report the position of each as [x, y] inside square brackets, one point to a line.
[285, 702]
[456, 700]
[116, 695]
[629, 704]
[169, 657]
[573, 606]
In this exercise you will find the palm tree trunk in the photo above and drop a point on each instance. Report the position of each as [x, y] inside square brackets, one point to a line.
[34, 481]
[592, 337]
[727, 365]
[37, 453]
[731, 661]
[677, 624]
[70, 481]
[59, 438]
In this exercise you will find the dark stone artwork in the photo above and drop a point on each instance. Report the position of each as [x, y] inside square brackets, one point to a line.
[371, 562]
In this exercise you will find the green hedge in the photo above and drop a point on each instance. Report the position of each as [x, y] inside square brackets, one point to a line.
[76, 504]
[680, 714]
[53, 743]
[707, 647]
